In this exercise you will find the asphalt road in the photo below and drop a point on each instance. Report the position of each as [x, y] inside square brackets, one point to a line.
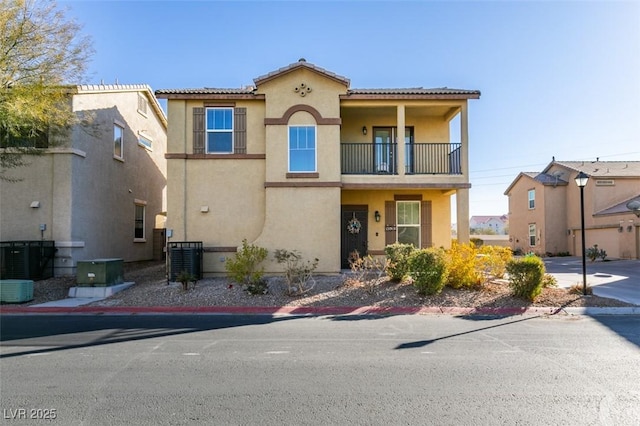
[362, 370]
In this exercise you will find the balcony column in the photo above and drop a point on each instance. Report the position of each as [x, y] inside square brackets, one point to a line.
[462, 214]
[400, 147]
[464, 140]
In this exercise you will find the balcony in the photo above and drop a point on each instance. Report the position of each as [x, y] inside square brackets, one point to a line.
[381, 158]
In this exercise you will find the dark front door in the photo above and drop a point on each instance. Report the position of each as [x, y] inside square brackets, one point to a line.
[354, 232]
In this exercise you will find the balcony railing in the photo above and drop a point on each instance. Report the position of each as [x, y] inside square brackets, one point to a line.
[420, 158]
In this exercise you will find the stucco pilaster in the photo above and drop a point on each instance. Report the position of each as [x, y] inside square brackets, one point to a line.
[462, 214]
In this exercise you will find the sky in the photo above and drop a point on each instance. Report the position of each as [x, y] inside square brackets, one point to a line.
[558, 79]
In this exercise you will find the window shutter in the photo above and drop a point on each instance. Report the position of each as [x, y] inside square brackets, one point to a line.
[240, 131]
[390, 222]
[425, 225]
[198, 130]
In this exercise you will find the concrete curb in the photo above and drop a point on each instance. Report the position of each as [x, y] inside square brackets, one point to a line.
[313, 311]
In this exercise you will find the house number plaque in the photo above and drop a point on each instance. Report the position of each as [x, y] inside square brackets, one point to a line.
[390, 228]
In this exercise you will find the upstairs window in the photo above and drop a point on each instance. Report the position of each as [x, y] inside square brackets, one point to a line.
[302, 149]
[532, 199]
[219, 128]
[118, 144]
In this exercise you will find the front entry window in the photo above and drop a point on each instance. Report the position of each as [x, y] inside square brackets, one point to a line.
[408, 227]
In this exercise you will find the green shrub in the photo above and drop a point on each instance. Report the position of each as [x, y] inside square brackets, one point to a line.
[398, 260]
[258, 287]
[428, 270]
[594, 253]
[526, 276]
[243, 269]
[462, 266]
[298, 273]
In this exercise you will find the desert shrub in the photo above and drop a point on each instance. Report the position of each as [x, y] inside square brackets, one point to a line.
[258, 287]
[243, 269]
[185, 278]
[549, 281]
[492, 261]
[578, 288]
[298, 273]
[428, 270]
[398, 260]
[526, 276]
[461, 262]
[367, 270]
[594, 253]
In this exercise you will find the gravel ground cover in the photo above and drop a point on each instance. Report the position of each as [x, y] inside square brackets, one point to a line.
[152, 289]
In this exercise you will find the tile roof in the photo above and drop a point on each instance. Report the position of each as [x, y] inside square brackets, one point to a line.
[603, 169]
[413, 91]
[302, 63]
[206, 91]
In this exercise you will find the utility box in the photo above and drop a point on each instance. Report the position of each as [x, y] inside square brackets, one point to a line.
[186, 256]
[16, 291]
[99, 272]
[27, 260]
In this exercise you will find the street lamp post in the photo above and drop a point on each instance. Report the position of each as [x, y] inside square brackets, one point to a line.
[581, 181]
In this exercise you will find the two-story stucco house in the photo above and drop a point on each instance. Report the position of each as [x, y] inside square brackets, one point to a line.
[97, 191]
[497, 224]
[544, 209]
[301, 161]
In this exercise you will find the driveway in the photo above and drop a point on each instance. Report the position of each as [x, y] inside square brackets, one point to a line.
[616, 279]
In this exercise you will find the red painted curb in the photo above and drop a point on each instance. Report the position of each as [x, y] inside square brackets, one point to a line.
[277, 310]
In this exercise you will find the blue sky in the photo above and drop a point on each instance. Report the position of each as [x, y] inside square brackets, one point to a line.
[557, 78]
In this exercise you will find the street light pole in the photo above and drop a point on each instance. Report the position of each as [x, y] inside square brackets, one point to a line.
[581, 181]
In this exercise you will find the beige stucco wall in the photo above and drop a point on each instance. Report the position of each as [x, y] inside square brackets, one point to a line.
[87, 197]
[281, 95]
[560, 227]
[327, 152]
[520, 215]
[180, 132]
[258, 200]
[440, 210]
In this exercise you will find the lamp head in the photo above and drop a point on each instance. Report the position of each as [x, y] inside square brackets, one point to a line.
[581, 179]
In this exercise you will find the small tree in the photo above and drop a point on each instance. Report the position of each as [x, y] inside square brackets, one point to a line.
[40, 52]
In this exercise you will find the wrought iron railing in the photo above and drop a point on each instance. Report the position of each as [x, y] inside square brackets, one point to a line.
[420, 158]
[368, 158]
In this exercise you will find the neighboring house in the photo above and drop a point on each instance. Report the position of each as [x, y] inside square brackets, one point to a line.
[302, 162]
[498, 224]
[97, 192]
[544, 209]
